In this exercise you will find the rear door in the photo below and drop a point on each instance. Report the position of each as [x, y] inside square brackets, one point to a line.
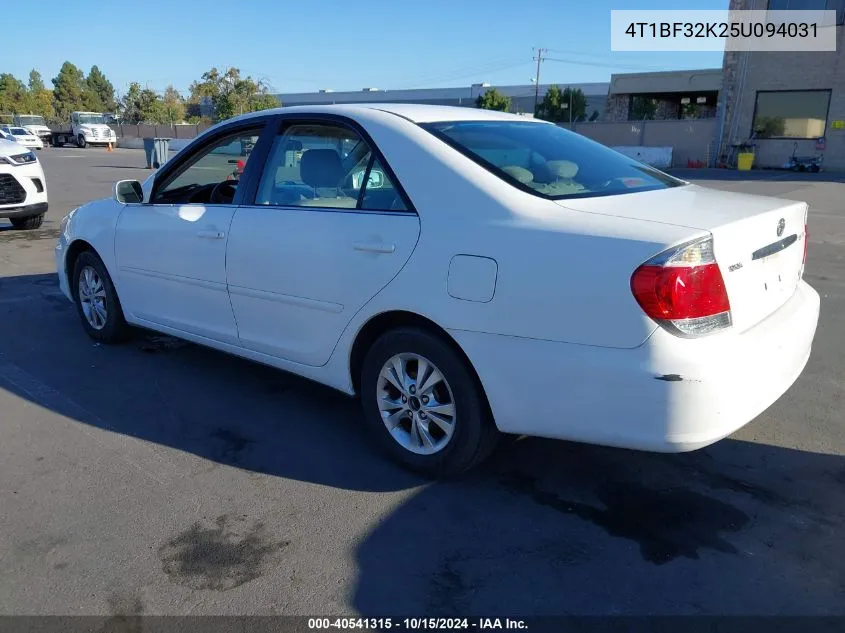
[326, 228]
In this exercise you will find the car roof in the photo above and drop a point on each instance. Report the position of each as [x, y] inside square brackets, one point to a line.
[415, 112]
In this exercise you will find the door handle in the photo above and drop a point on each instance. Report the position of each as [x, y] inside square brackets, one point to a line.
[374, 247]
[211, 234]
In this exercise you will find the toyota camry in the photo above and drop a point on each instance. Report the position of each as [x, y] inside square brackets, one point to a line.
[465, 273]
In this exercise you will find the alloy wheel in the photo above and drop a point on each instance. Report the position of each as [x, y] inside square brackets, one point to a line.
[416, 404]
[92, 298]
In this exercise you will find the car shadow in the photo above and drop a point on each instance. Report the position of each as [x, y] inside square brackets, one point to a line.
[543, 528]
[557, 528]
[163, 390]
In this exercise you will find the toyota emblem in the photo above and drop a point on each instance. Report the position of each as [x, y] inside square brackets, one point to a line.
[781, 226]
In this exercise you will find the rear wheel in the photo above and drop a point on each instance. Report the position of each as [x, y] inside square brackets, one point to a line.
[96, 300]
[27, 224]
[424, 405]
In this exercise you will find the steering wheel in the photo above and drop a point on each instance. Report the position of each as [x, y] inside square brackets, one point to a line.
[223, 192]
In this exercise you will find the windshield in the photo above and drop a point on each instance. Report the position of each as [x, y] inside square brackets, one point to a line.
[91, 118]
[19, 131]
[549, 161]
[31, 120]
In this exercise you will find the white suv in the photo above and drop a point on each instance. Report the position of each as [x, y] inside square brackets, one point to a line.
[23, 189]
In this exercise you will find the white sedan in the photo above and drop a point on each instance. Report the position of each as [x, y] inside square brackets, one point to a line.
[464, 272]
[24, 137]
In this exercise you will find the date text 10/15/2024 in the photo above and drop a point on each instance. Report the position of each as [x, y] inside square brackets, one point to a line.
[416, 624]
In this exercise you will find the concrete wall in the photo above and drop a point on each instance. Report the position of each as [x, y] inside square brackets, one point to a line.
[689, 139]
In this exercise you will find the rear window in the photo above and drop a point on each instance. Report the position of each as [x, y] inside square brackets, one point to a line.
[549, 161]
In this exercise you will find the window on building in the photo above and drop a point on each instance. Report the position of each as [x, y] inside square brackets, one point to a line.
[791, 114]
[810, 5]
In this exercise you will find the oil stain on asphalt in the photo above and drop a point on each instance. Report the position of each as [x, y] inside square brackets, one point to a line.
[222, 556]
[667, 524]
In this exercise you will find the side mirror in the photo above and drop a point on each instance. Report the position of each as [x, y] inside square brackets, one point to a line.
[128, 191]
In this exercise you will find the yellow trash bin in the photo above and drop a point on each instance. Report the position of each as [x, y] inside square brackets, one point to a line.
[744, 161]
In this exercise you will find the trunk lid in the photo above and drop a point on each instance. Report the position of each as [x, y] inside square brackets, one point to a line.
[758, 241]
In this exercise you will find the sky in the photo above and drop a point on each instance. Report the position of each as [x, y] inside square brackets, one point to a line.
[302, 46]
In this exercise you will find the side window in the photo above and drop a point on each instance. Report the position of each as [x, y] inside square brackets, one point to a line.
[379, 192]
[211, 175]
[325, 165]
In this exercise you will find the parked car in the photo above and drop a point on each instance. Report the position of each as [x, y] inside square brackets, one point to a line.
[465, 272]
[23, 188]
[24, 137]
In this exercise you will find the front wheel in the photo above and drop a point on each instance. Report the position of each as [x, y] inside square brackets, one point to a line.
[28, 224]
[424, 404]
[80, 141]
[96, 300]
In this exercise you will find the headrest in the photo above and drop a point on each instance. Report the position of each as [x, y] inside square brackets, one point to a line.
[562, 168]
[320, 168]
[518, 173]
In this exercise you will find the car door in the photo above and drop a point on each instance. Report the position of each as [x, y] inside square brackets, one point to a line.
[326, 228]
[171, 250]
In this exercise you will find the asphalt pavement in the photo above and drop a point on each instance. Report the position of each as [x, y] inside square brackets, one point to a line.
[158, 477]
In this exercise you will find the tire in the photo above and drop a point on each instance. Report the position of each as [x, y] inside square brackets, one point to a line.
[28, 224]
[473, 435]
[80, 142]
[113, 328]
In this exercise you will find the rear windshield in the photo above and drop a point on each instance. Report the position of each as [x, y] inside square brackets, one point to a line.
[19, 131]
[548, 160]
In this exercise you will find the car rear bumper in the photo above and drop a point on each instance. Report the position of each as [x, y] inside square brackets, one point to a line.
[668, 395]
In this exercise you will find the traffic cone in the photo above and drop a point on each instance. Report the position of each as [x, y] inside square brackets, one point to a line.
[110, 149]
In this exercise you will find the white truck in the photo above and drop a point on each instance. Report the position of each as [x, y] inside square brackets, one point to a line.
[86, 128]
[34, 124]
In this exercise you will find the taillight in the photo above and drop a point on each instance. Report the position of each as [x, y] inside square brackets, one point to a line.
[683, 290]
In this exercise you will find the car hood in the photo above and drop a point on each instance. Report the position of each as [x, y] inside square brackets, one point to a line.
[691, 206]
[10, 148]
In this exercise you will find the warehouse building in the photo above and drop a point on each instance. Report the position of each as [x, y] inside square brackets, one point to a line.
[522, 97]
[785, 102]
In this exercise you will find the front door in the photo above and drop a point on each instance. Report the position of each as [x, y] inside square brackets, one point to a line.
[328, 228]
[171, 251]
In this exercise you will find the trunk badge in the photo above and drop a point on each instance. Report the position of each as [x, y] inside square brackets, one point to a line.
[781, 226]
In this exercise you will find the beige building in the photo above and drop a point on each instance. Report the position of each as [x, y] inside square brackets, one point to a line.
[784, 102]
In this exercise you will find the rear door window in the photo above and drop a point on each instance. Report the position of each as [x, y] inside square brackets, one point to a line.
[326, 165]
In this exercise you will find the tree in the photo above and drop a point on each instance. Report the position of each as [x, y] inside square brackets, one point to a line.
[69, 91]
[492, 99]
[174, 105]
[100, 91]
[41, 102]
[643, 108]
[231, 94]
[13, 95]
[143, 105]
[567, 106]
[35, 82]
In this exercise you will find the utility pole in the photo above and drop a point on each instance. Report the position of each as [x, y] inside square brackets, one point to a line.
[539, 59]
